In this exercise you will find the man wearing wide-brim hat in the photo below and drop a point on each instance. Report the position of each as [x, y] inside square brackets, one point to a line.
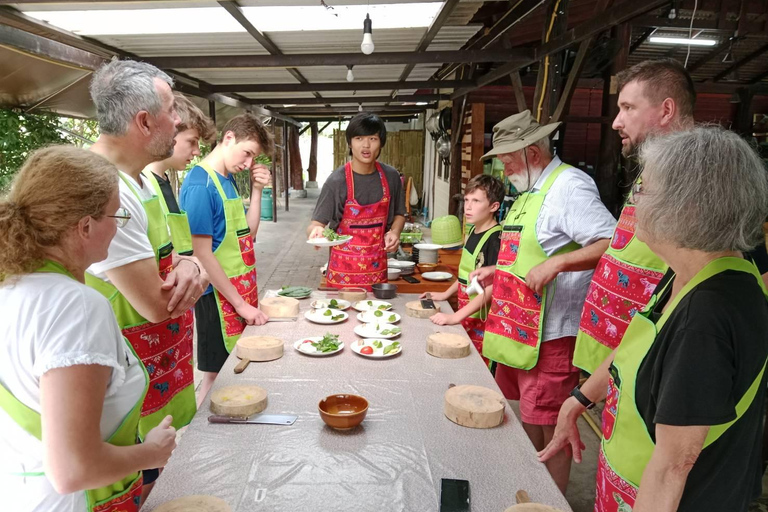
[553, 237]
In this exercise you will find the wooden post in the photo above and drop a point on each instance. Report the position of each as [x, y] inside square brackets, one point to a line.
[297, 178]
[312, 169]
[550, 89]
[742, 123]
[286, 164]
[609, 156]
[517, 88]
[274, 173]
[477, 132]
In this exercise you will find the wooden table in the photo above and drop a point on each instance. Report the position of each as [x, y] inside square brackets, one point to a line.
[394, 461]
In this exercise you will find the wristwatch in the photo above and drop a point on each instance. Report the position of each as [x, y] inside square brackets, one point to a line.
[583, 400]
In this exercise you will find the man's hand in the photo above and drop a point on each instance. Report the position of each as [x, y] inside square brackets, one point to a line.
[187, 282]
[484, 275]
[444, 319]
[391, 241]
[566, 432]
[317, 232]
[541, 275]
[252, 315]
[260, 177]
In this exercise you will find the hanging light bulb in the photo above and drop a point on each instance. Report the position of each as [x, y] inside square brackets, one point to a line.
[359, 107]
[350, 75]
[367, 44]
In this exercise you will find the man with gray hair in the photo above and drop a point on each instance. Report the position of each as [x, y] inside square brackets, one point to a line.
[151, 288]
[553, 236]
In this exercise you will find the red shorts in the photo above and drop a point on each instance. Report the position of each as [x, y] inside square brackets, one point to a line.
[542, 389]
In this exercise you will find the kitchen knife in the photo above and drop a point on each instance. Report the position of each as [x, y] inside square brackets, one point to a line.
[428, 303]
[262, 419]
[282, 319]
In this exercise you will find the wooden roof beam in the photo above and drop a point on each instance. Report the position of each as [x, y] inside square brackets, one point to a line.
[411, 98]
[344, 86]
[340, 59]
[445, 12]
[745, 60]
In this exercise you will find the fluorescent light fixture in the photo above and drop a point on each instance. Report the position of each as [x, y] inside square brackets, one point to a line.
[420, 103]
[682, 40]
[210, 20]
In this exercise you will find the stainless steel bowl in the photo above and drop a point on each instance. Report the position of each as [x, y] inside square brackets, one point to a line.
[384, 291]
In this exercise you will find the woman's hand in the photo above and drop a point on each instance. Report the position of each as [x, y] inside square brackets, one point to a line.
[162, 441]
[566, 432]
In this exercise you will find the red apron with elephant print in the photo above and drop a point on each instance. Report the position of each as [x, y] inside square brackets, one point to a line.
[362, 261]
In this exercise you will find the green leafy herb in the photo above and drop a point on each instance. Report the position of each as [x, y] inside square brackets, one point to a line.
[390, 348]
[392, 318]
[378, 313]
[337, 317]
[329, 343]
[384, 306]
[370, 303]
[295, 291]
[387, 332]
[378, 344]
[332, 236]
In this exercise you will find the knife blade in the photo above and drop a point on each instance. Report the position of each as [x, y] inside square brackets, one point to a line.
[259, 419]
[428, 303]
[282, 319]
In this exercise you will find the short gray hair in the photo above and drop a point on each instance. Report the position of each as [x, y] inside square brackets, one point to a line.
[710, 190]
[121, 89]
[545, 145]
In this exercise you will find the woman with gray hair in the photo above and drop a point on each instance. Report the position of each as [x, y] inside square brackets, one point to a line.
[682, 423]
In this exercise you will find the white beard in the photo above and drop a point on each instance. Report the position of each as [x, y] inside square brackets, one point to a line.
[524, 181]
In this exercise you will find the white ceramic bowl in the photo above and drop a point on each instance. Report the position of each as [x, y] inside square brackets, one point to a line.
[393, 274]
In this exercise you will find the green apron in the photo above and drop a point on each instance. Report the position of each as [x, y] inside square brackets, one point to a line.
[624, 280]
[165, 348]
[124, 495]
[515, 322]
[237, 258]
[177, 222]
[475, 323]
[627, 446]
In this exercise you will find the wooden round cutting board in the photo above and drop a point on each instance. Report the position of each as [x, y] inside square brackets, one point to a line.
[446, 345]
[257, 348]
[474, 406]
[196, 503]
[415, 310]
[238, 401]
[280, 307]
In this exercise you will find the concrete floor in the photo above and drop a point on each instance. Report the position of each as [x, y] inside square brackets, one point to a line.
[284, 259]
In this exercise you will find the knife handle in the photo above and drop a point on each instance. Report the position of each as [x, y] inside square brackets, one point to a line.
[242, 365]
[219, 419]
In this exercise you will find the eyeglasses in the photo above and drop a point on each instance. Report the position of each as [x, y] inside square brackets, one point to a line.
[121, 216]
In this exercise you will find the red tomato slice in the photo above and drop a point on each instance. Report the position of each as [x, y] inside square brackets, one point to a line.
[366, 350]
[307, 341]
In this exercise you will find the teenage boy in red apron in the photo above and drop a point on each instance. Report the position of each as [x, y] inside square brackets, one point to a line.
[482, 199]
[222, 238]
[365, 199]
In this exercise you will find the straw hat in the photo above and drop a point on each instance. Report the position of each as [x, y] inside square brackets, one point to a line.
[517, 132]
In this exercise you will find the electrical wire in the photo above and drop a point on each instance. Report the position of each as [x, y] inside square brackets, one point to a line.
[690, 32]
[546, 63]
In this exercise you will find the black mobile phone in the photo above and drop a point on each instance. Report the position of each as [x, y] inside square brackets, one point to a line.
[409, 279]
[454, 495]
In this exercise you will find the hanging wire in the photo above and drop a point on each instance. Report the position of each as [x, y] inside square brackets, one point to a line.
[690, 32]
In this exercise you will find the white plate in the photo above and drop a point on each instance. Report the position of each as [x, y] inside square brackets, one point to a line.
[341, 304]
[378, 353]
[437, 276]
[400, 264]
[368, 317]
[367, 305]
[373, 330]
[428, 247]
[324, 242]
[318, 316]
[312, 351]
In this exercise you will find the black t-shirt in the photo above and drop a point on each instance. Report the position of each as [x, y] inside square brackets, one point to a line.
[760, 256]
[704, 359]
[167, 190]
[330, 206]
[490, 252]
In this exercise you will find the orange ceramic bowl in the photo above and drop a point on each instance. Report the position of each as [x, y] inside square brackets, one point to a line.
[343, 412]
[426, 267]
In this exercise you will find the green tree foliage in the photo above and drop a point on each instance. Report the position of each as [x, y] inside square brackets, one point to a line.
[22, 133]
